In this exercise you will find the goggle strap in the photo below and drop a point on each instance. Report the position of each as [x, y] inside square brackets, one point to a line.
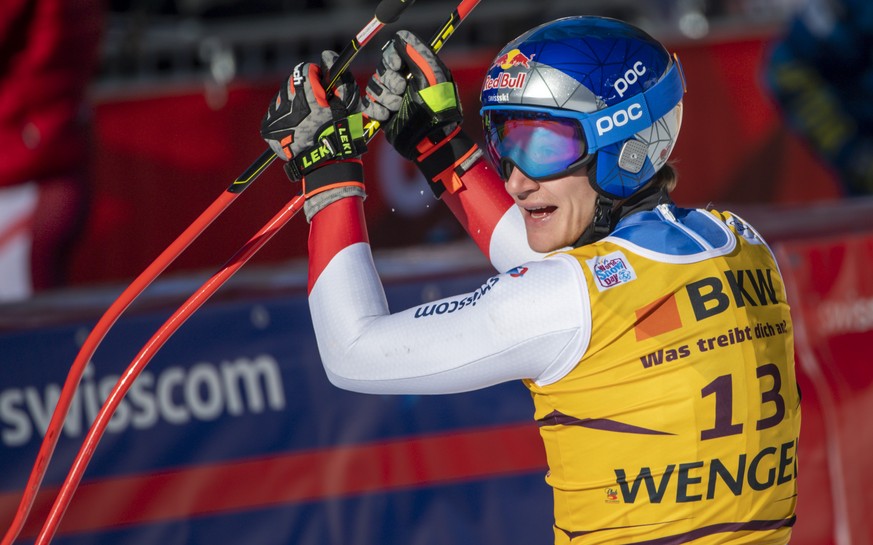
[623, 120]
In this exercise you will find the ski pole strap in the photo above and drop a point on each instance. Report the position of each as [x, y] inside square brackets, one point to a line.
[321, 198]
[445, 162]
[333, 175]
[342, 139]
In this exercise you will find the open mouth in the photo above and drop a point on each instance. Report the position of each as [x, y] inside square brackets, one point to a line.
[541, 212]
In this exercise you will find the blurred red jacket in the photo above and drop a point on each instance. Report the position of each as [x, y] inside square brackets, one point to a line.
[49, 52]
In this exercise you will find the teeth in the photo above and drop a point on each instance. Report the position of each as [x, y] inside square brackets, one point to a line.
[537, 213]
[540, 212]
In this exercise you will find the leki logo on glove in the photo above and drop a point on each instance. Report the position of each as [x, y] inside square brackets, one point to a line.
[345, 138]
[317, 154]
[340, 134]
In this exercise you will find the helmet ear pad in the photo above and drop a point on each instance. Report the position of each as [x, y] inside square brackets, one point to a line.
[622, 168]
[609, 176]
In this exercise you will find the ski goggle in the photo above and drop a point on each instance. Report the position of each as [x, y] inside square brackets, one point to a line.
[540, 145]
[547, 143]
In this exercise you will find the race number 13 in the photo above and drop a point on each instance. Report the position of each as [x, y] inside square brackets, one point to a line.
[722, 389]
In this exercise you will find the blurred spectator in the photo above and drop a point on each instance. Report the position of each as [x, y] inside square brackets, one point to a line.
[821, 74]
[48, 54]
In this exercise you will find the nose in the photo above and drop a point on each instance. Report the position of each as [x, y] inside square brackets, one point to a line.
[520, 186]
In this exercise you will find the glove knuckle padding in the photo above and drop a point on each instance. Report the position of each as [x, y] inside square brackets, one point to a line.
[424, 65]
[374, 110]
[328, 57]
[348, 95]
[392, 81]
[390, 57]
[384, 93]
[385, 97]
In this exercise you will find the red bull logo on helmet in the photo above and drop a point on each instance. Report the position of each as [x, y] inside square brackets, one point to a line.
[512, 58]
[505, 80]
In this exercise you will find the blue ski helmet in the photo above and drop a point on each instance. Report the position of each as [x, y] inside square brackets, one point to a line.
[583, 91]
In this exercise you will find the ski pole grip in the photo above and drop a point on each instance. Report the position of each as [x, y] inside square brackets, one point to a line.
[389, 11]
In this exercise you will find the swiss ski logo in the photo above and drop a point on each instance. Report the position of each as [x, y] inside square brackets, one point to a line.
[517, 272]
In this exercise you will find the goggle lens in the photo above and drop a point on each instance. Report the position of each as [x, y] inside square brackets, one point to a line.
[540, 145]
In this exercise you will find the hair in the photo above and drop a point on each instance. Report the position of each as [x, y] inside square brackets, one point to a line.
[666, 177]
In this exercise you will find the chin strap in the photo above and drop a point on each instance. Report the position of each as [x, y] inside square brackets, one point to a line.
[608, 212]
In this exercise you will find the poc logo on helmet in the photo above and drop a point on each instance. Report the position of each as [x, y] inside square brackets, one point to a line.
[630, 77]
[619, 119]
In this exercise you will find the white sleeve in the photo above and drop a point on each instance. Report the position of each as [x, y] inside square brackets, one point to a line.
[508, 247]
[533, 323]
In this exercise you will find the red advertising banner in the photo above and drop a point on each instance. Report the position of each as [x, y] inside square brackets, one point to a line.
[831, 293]
[159, 160]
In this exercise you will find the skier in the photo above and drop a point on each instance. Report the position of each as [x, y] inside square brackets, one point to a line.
[656, 341]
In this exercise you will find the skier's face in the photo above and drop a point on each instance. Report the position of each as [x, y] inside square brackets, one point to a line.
[555, 212]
